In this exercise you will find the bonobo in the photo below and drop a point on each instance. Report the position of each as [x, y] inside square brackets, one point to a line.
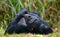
[15, 26]
[25, 22]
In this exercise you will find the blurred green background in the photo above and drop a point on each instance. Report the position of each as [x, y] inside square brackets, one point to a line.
[48, 9]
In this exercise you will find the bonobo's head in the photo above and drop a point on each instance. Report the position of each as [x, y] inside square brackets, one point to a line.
[32, 20]
[31, 17]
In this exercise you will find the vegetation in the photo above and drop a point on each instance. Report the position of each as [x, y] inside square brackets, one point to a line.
[48, 9]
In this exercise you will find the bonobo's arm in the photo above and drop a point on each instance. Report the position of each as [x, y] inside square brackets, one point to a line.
[19, 15]
[10, 29]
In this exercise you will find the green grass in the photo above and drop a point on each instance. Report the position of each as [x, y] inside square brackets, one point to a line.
[17, 5]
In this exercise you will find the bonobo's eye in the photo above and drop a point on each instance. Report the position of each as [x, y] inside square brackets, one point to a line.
[26, 12]
[29, 16]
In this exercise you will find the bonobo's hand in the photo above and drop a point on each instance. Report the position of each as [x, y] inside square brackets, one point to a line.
[22, 12]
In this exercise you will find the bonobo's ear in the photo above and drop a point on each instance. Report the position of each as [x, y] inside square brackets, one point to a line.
[36, 12]
[23, 11]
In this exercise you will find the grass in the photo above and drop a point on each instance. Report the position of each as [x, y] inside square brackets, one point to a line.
[45, 9]
[28, 35]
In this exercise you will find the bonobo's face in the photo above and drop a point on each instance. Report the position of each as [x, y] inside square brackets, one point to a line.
[30, 18]
[32, 21]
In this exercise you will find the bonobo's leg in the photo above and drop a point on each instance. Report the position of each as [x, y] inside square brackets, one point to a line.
[44, 28]
[10, 29]
[21, 27]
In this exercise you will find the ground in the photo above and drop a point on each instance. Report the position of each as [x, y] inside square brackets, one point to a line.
[56, 34]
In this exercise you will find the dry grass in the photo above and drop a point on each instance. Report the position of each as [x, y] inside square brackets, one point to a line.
[29, 35]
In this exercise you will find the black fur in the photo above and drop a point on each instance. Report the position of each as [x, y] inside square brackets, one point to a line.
[33, 24]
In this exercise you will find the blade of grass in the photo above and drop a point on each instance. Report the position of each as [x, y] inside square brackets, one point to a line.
[13, 9]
